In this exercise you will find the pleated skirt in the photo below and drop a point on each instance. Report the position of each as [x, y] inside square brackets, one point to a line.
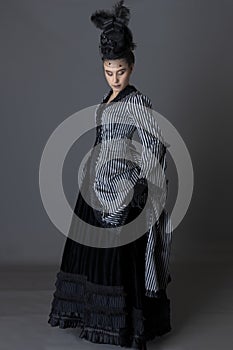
[102, 291]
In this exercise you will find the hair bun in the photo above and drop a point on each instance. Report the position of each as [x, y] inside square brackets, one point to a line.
[116, 37]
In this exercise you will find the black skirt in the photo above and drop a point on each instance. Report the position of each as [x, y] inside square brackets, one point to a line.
[102, 290]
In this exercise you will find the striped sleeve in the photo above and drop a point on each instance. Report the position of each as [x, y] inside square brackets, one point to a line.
[152, 162]
[152, 167]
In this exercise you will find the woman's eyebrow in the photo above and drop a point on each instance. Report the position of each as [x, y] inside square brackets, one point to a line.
[116, 71]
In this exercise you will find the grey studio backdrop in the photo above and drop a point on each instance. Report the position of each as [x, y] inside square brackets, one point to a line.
[50, 69]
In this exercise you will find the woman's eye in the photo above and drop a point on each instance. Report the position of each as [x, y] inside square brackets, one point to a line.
[120, 73]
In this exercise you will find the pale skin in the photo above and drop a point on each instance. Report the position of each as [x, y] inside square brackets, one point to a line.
[117, 72]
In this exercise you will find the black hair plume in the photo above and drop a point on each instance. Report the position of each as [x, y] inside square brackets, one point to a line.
[102, 17]
[122, 12]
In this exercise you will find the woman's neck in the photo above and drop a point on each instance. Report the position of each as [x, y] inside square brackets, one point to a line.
[112, 96]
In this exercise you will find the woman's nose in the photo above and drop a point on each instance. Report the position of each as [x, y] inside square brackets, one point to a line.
[115, 79]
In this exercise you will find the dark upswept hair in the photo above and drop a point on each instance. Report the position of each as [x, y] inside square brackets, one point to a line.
[128, 56]
[116, 40]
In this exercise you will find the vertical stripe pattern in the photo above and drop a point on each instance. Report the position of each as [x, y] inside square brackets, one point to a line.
[115, 166]
[152, 167]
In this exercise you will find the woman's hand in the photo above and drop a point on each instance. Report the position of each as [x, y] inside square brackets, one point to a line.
[140, 195]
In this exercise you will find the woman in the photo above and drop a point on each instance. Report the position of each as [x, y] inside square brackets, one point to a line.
[117, 293]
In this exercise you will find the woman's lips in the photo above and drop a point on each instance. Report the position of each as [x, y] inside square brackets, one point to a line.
[116, 86]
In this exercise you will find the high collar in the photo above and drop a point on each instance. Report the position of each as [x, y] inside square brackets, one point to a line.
[124, 92]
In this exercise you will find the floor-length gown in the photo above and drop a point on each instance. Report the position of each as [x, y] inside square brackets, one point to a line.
[102, 290]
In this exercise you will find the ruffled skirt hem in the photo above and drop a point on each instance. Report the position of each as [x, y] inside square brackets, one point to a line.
[104, 313]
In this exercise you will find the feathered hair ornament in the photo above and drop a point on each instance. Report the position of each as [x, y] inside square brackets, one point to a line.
[116, 38]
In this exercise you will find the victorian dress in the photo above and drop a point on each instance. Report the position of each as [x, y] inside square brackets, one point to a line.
[116, 291]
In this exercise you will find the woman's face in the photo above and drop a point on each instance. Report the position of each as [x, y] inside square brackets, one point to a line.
[117, 73]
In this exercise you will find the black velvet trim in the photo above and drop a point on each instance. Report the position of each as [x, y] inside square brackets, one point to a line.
[124, 92]
[103, 315]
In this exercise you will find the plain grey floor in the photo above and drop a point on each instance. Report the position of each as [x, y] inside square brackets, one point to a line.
[201, 297]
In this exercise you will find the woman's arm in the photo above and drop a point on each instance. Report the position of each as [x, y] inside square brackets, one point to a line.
[153, 155]
[152, 167]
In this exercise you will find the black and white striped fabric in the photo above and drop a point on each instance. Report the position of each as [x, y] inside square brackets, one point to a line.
[115, 166]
